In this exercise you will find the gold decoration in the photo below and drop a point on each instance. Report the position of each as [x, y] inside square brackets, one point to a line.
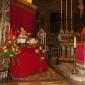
[28, 1]
[74, 70]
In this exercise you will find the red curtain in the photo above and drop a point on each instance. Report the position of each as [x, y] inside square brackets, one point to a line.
[23, 16]
[80, 53]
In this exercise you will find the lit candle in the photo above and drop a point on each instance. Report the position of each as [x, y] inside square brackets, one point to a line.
[74, 41]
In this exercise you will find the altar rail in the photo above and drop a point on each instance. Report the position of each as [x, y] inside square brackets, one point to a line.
[66, 51]
[61, 53]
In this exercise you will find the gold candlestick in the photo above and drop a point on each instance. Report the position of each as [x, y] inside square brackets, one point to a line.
[74, 70]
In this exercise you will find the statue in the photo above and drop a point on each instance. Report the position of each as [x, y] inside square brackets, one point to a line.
[42, 35]
[23, 36]
[23, 33]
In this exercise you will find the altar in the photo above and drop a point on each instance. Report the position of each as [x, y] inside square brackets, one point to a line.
[28, 63]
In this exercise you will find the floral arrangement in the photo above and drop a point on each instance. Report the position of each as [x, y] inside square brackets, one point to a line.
[9, 48]
[41, 51]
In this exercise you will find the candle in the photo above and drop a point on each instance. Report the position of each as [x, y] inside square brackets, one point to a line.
[74, 41]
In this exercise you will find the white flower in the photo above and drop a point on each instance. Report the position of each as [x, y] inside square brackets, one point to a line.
[11, 55]
[13, 49]
[5, 51]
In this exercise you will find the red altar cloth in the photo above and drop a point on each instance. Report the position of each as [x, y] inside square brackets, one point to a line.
[80, 54]
[28, 63]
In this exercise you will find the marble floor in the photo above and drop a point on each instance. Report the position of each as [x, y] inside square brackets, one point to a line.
[51, 77]
[56, 75]
[66, 70]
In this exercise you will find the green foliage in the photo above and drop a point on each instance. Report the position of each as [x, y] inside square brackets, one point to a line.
[9, 48]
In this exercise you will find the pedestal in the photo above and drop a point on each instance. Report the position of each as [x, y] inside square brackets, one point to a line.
[9, 78]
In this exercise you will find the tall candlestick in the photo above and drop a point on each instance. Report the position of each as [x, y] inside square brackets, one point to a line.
[71, 15]
[74, 70]
[66, 15]
[74, 41]
[41, 40]
[61, 13]
[71, 8]
[45, 41]
[0, 34]
[4, 35]
[8, 27]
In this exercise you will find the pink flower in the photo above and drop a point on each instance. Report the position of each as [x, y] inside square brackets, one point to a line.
[40, 48]
[42, 58]
[36, 51]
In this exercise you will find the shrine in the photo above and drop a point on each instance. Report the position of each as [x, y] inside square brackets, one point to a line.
[42, 42]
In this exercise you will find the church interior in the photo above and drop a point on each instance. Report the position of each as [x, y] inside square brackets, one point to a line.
[42, 42]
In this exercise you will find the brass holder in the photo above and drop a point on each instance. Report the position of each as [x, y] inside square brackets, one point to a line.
[9, 78]
[41, 55]
[40, 63]
[74, 70]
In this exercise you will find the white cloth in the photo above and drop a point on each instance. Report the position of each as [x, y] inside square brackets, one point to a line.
[32, 41]
[21, 40]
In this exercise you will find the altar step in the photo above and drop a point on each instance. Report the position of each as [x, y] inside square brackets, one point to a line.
[65, 69]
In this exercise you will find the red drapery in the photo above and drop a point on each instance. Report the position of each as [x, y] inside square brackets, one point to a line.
[28, 63]
[22, 16]
[80, 54]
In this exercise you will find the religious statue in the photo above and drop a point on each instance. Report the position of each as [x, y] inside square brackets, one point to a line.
[42, 36]
[23, 36]
[23, 33]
